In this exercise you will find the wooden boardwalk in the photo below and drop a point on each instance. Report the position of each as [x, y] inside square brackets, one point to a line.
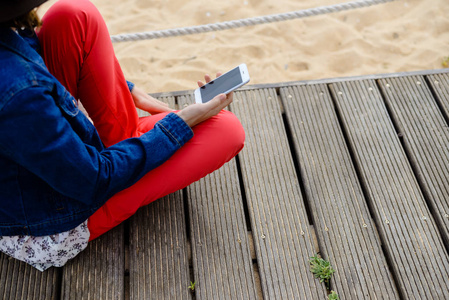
[356, 169]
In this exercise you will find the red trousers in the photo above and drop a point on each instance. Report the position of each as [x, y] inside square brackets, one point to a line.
[77, 50]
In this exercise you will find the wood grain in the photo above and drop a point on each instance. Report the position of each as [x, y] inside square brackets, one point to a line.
[408, 231]
[347, 234]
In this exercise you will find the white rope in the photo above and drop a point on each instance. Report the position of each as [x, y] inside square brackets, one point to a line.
[245, 22]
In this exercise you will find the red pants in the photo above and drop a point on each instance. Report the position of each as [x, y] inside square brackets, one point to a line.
[77, 50]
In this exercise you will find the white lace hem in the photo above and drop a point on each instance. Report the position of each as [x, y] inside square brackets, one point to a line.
[43, 252]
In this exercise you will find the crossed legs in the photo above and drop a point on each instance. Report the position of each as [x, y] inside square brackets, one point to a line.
[78, 51]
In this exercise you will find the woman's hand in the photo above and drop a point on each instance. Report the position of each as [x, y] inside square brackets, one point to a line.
[199, 112]
[147, 103]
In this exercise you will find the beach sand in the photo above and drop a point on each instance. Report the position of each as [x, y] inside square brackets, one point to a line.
[405, 35]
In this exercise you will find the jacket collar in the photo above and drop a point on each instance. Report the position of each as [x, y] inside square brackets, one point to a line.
[15, 43]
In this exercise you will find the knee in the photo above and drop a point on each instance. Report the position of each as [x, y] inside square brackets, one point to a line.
[72, 15]
[230, 130]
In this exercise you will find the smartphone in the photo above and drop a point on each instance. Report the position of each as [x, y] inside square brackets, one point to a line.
[223, 84]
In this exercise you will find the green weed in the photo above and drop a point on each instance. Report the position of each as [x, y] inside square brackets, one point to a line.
[333, 296]
[322, 269]
[192, 286]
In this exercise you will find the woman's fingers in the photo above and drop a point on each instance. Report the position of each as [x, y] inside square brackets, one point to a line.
[208, 79]
[145, 102]
[219, 102]
[197, 113]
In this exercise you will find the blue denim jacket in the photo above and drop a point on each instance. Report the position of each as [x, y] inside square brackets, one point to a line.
[54, 169]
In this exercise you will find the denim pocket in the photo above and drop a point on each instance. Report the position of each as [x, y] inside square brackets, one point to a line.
[69, 105]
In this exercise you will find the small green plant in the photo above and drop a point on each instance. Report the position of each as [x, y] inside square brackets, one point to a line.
[445, 62]
[333, 296]
[192, 286]
[322, 269]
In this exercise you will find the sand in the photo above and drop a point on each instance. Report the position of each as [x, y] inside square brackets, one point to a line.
[405, 35]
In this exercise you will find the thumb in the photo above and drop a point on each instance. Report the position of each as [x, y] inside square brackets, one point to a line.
[221, 97]
[217, 100]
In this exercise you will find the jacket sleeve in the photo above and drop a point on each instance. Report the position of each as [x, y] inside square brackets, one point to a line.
[35, 134]
[130, 85]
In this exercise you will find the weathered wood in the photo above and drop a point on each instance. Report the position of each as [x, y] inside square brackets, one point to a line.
[440, 85]
[222, 264]
[426, 139]
[284, 243]
[220, 252]
[159, 267]
[408, 231]
[19, 280]
[278, 85]
[399, 181]
[98, 272]
[347, 234]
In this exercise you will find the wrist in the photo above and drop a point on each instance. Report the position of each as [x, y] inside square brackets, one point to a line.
[185, 117]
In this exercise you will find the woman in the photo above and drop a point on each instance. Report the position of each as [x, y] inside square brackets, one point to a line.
[63, 181]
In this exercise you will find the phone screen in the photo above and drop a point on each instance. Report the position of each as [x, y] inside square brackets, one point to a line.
[221, 85]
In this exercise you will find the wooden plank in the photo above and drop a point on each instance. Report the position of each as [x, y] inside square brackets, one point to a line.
[426, 138]
[97, 272]
[407, 229]
[19, 280]
[347, 234]
[278, 85]
[221, 257]
[440, 85]
[159, 267]
[282, 237]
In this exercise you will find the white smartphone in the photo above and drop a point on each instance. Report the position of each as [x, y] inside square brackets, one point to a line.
[223, 84]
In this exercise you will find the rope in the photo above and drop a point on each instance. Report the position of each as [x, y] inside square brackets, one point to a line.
[245, 22]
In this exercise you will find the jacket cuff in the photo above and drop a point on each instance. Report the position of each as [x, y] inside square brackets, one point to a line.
[130, 85]
[175, 127]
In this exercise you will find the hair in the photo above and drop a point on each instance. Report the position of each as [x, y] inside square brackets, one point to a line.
[29, 20]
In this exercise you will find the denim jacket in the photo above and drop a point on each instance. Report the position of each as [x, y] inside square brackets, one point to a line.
[54, 170]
